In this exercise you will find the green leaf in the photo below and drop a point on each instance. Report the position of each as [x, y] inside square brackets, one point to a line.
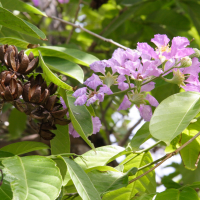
[50, 75]
[4, 154]
[174, 194]
[36, 177]
[61, 142]
[173, 115]
[17, 123]
[190, 153]
[81, 120]
[19, 148]
[65, 67]
[17, 42]
[109, 180]
[146, 184]
[72, 55]
[5, 191]
[81, 181]
[21, 6]
[9, 20]
[101, 157]
[140, 137]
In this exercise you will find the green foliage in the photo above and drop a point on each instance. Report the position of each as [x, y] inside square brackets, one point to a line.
[183, 107]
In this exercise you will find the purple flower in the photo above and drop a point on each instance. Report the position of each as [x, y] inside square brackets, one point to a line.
[93, 82]
[145, 112]
[152, 100]
[98, 66]
[80, 92]
[148, 87]
[63, 1]
[105, 89]
[96, 127]
[81, 100]
[146, 49]
[92, 99]
[125, 104]
[36, 2]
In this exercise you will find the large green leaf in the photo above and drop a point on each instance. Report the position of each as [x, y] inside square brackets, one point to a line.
[99, 158]
[81, 120]
[53, 78]
[140, 137]
[11, 21]
[17, 42]
[173, 115]
[17, 123]
[61, 142]
[105, 181]
[21, 6]
[190, 153]
[146, 184]
[5, 191]
[72, 55]
[19, 148]
[81, 181]
[64, 67]
[174, 194]
[36, 177]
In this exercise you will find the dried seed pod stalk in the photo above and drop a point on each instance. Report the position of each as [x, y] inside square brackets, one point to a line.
[18, 62]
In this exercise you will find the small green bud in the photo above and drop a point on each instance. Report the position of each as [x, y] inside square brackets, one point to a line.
[186, 62]
[196, 54]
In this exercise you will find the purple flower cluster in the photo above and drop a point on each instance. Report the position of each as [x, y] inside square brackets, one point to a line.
[132, 71]
[95, 121]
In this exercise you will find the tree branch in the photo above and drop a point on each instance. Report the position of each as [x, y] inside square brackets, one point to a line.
[90, 32]
[75, 18]
[123, 141]
[166, 157]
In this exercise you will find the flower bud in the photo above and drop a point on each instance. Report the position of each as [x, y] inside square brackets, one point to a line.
[137, 98]
[196, 54]
[178, 78]
[186, 62]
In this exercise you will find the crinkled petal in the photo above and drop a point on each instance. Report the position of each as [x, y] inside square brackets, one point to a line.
[146, 49]
[81, 100]
[160, 40]
[100, 96]
[152, 100]
[36, 3]
[105, 89]
[123, 86]
[148, 87]
[145, 112]
[132, 55]
[191, 87]
[93, 82]
[125, 104]
[194, 69]
[80, 92]
[92, 100]
[63, 103]
[121, 78]
[120, 56]
[98, 66]
[72, 131]
[96, 124]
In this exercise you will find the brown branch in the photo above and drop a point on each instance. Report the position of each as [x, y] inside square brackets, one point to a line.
[166, 157]
[88, 31]
[76, 16]
[126, 137]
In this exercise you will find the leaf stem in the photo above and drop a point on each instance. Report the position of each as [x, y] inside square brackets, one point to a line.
[164, 158]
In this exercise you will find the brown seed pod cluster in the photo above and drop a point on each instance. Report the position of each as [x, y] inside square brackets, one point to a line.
[33, 97]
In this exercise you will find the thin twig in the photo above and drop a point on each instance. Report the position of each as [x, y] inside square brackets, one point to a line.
[75, 18]
[90, 32]
[126, 137]
[166, 157]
